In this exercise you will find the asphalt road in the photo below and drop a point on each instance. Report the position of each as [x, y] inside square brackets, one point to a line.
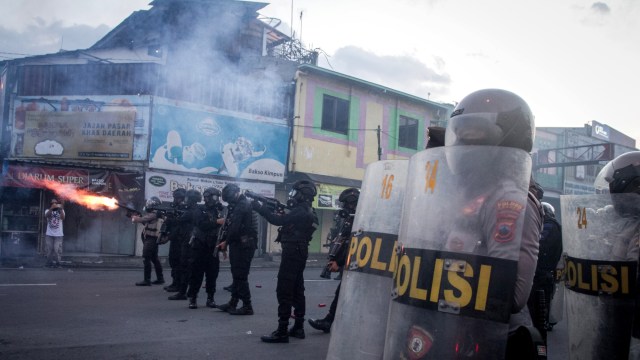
[99, 314]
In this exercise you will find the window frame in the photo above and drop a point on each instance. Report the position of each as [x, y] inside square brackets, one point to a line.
[406, 129]
[340, 107]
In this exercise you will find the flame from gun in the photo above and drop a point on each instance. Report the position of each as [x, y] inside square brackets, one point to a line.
[82, 197]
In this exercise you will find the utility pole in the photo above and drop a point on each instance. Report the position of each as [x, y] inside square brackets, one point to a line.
[379, 148]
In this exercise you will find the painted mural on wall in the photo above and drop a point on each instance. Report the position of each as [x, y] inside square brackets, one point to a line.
[205, 140]
[101, 127]
[162, 185]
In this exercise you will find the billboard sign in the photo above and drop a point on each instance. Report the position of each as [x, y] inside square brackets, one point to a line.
[205, 140]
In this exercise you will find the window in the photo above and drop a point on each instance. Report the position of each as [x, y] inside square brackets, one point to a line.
[335, 114]
[408, 133]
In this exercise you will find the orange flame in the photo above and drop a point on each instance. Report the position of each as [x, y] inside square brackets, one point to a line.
[80, 196]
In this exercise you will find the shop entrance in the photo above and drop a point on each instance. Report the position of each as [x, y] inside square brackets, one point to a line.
[21, 217]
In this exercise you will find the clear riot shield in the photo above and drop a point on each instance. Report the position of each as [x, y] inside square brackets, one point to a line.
[601, 267]
[359, 327]
[459, 242]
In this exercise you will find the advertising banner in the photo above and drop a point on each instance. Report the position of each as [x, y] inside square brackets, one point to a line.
[101, 127]
[99, 135]
[205, 140]
[328, 195]
[162, 185]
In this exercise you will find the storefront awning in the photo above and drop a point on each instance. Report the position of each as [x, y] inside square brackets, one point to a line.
[323, 179]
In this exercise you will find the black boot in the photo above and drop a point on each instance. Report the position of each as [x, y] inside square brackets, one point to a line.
[297, 330]
[159, 280]
[210, 302]
[192, 303]
[321, 324]
[230, 305]
[279, 336]
[173, 287]
[145, 282]
[246, 309]
[178, 296]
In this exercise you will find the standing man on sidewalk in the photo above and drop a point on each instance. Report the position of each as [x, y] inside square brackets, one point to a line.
[55, 234]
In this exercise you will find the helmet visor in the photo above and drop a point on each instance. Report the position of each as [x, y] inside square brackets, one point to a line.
[211, 197]
[603, 179]
[473, 129]
[293, 193]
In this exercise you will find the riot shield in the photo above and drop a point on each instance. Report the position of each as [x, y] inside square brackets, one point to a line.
[459, 242]
[359, 327]
[601, 243]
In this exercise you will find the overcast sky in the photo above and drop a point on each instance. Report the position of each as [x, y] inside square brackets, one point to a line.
[573, 61]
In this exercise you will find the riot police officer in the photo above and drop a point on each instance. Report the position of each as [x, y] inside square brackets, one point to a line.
[619, 233]
[501, 118]
[203, 241]
[186, 221]
[348, 202]
[150, 235]
[471, 197]
[296, 229]
[240, 234]
[176, 237]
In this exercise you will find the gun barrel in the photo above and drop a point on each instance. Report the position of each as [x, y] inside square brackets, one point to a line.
[129, 209]
[271, 203]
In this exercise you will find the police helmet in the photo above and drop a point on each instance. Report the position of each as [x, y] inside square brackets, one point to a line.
[548, 209]
[349, 195]
[154, 201]
[179, 193]
[303, 190]
[491, 117]
[230, 193]
[211, 193]
[349, 199]
[620, 175]
[193, 197]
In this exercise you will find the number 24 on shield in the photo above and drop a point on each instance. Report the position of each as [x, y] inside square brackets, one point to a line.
[582, 218]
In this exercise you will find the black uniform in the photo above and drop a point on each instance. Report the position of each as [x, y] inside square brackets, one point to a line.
[185, 222]
[177, 235]
[242, 239]
[344, 224]
[338, 254]
[203, 262]
[543, 282]
[296, 228]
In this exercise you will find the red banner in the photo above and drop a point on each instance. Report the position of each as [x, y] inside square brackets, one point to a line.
[125, 187]
[27, 176]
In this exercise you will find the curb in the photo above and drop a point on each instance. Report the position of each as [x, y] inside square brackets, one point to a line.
[135, 262]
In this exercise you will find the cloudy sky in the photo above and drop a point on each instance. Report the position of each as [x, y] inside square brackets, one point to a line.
[573, 61]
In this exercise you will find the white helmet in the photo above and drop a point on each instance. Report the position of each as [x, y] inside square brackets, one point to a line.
[548, 209]
[620, 175]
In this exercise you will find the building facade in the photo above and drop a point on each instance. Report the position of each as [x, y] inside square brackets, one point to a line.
[190, 95]
[566, 160]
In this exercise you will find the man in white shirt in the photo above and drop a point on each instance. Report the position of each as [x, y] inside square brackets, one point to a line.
[54, 235]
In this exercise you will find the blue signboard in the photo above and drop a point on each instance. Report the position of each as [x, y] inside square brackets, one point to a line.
[205, 140]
